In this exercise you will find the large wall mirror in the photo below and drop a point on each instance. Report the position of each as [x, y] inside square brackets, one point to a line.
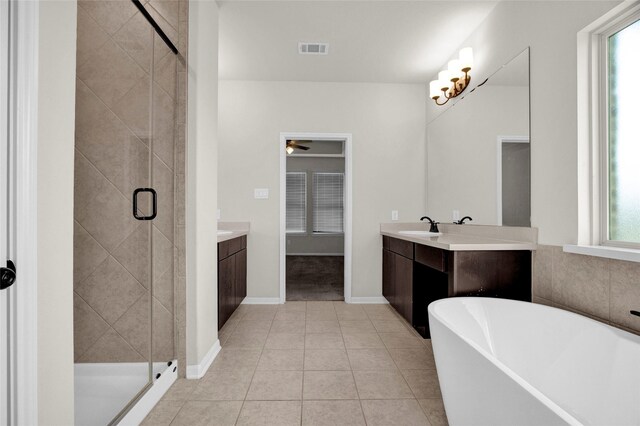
[478, 152]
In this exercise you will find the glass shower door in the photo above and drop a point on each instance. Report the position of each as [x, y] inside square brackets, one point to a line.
[115, 209]
[124, 209]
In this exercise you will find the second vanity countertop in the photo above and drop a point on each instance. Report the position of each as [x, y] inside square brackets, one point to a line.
[466, 237]
[231, 230]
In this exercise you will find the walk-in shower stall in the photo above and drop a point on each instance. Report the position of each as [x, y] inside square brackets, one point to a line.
[126, 168]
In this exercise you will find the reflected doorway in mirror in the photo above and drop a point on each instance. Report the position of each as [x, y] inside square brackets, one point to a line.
[513, 181]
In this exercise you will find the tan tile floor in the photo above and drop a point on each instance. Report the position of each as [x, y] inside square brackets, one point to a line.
[311, 363]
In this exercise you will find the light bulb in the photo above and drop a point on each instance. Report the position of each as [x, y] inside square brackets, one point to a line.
[435, 90]
[445, 80]
[454, 68]
[466, 58]
[289, 150]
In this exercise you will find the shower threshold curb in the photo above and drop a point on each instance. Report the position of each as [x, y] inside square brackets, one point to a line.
[145, 404]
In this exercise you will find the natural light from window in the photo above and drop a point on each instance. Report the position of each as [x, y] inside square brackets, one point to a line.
[624, 134]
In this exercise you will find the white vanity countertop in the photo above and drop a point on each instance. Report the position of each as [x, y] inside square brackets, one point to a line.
[465, 237]
[231, 230]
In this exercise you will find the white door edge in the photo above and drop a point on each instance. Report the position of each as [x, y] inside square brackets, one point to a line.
[24, 141]
[5, 412]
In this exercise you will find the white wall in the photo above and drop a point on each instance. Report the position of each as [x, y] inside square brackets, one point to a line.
[462, 152]
[56, 127]
[388, 126]
[202, 146]
[550, 28]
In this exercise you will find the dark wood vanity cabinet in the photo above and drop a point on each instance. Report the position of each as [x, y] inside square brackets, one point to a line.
[232, 277]
[397, 281]
[414, 275]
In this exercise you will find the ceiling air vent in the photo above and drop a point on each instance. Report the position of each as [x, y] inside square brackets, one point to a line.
[313, 48]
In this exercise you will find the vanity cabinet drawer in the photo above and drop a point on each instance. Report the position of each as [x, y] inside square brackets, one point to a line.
[431, 257]
[235, 245]
[229, 247]
[223, 250]
[401, 247]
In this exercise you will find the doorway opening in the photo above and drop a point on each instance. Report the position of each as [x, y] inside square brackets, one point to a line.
[315, 254]
[514, 181]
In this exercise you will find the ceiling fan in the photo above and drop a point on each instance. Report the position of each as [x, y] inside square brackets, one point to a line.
[292, 145]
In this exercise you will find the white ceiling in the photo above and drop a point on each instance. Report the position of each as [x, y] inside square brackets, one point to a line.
[370, 41]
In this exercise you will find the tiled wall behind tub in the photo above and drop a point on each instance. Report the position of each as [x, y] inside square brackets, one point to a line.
[603, 289]
[111, 297]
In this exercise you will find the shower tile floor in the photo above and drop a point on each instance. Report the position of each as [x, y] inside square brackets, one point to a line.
[311, 363]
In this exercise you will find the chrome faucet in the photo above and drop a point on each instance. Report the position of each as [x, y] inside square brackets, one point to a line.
[434, 225]
[461, 221]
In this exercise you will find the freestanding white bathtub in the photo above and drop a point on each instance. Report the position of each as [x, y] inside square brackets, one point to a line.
[503, 362]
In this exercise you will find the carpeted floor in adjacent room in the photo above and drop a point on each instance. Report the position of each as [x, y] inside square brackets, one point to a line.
[315, 278]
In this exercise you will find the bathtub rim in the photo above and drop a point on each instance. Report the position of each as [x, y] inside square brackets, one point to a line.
[562, 413]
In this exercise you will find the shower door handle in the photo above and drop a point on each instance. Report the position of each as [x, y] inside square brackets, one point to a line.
[154, 197]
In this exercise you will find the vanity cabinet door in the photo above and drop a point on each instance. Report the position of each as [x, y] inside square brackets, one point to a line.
[241, 277]
[397, 275]
[403, 280]
[388, 285]
[397, 282]
[226, 289]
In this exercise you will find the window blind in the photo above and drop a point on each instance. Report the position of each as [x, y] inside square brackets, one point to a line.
[296, 202]
[328, 202]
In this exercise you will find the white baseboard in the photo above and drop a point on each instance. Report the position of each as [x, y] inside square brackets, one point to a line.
[145, 404]
[261, 301]
[316, 254]
[276, 300]
[198, 370]
[369, 300]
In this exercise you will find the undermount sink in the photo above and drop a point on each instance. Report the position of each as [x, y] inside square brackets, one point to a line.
[224, 232]
[421, 233]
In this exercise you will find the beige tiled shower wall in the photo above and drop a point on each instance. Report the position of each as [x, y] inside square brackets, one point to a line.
[603, 289]
[111, 257]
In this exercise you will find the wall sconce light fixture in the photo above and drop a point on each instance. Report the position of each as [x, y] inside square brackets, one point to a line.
[452, 81]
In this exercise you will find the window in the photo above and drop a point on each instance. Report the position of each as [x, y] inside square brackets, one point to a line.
[296, 202]
[328, 203]
[621, 156]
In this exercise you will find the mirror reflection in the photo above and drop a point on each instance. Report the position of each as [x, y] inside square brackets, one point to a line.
[478, 152]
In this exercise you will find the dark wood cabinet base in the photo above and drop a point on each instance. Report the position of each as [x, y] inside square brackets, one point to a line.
[232, 277]
[415, 275]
